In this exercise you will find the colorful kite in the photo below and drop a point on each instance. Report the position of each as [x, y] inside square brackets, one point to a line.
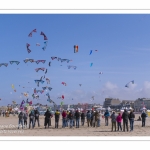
[4, 64]
[35, 96]
[27, 45]
[44, 88]
[67, 60]
[53, 58]
[48, 81]
[39, 81]
[49, 63]
[45, 38]
[30, 34]
[62, 97]
[38, 61]
[75, 48]
[17, 62]
[64, 83]
[31, 60]
[91, 64]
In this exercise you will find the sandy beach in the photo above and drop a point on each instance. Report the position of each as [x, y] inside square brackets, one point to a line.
[8, 127]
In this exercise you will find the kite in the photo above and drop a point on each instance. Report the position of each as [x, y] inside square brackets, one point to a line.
[31, 60]
[75, 48]
[35, 90]
[127, 85]
[61, 103]
[62, 97]
[72, 67]
[17, 62]
[41, 91]
[30, 34]
[12, 86]
[91, 64]
[49, 63]
[35, 96]
[43, 61]
[53, 58]
[27, 45]
[30, 103]
[93, 97]
[64, 83]
[37, 69]
[46, 71]
[4, 64]
[101, 73]
[46, 43]
[48, 81]
[59, 97]
[45, 38]
[67, 60]
[44, 88]
[80, 84]
[38, 81]
[21, 106]
[37, 44]
[41, 78]
[44, 48]
[90, 52]
[96, 50]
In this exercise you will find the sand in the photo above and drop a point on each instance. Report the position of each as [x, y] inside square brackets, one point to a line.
[8, 127]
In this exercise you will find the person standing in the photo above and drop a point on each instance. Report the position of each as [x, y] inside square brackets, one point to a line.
[31, 119]
[37, 114]
[96, 117]
[70, 116]
[88, 117]
[119, 119]
[82, 118]
[74, 118]
[20, 116]
[131, 118]
[64, 117]
[106, 115]
[57, 115]
[92, 116]
[113, 120]
[99, 118]
[125, 117]
[77, 116]
[25, 118]
[47, 118]
[143, 116]
[67, 119]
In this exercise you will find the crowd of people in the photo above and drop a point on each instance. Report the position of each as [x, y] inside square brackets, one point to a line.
[73, 119]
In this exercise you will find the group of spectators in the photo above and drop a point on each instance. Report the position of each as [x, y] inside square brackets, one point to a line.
[126, 117]
[73, 118]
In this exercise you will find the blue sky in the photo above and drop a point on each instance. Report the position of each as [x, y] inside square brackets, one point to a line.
[122, 41]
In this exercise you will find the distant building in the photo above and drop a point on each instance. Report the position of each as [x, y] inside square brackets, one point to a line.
[111, 102]
[140, 102]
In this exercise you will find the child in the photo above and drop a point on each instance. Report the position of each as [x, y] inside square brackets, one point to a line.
[119, 119]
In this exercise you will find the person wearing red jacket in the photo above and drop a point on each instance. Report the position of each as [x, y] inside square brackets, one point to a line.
[119, 119]
[64, 117]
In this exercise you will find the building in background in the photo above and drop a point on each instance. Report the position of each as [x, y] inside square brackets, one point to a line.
[109, 102]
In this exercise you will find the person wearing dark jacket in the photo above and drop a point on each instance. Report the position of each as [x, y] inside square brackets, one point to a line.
[57, 115]
[20, 116]
[82, 118]
[31, 119]
[77, 116]
[92, 117]
[143, 116]
[47, 118]
[70, 116]
[37, 114]
[131, 118]
[125, 117]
